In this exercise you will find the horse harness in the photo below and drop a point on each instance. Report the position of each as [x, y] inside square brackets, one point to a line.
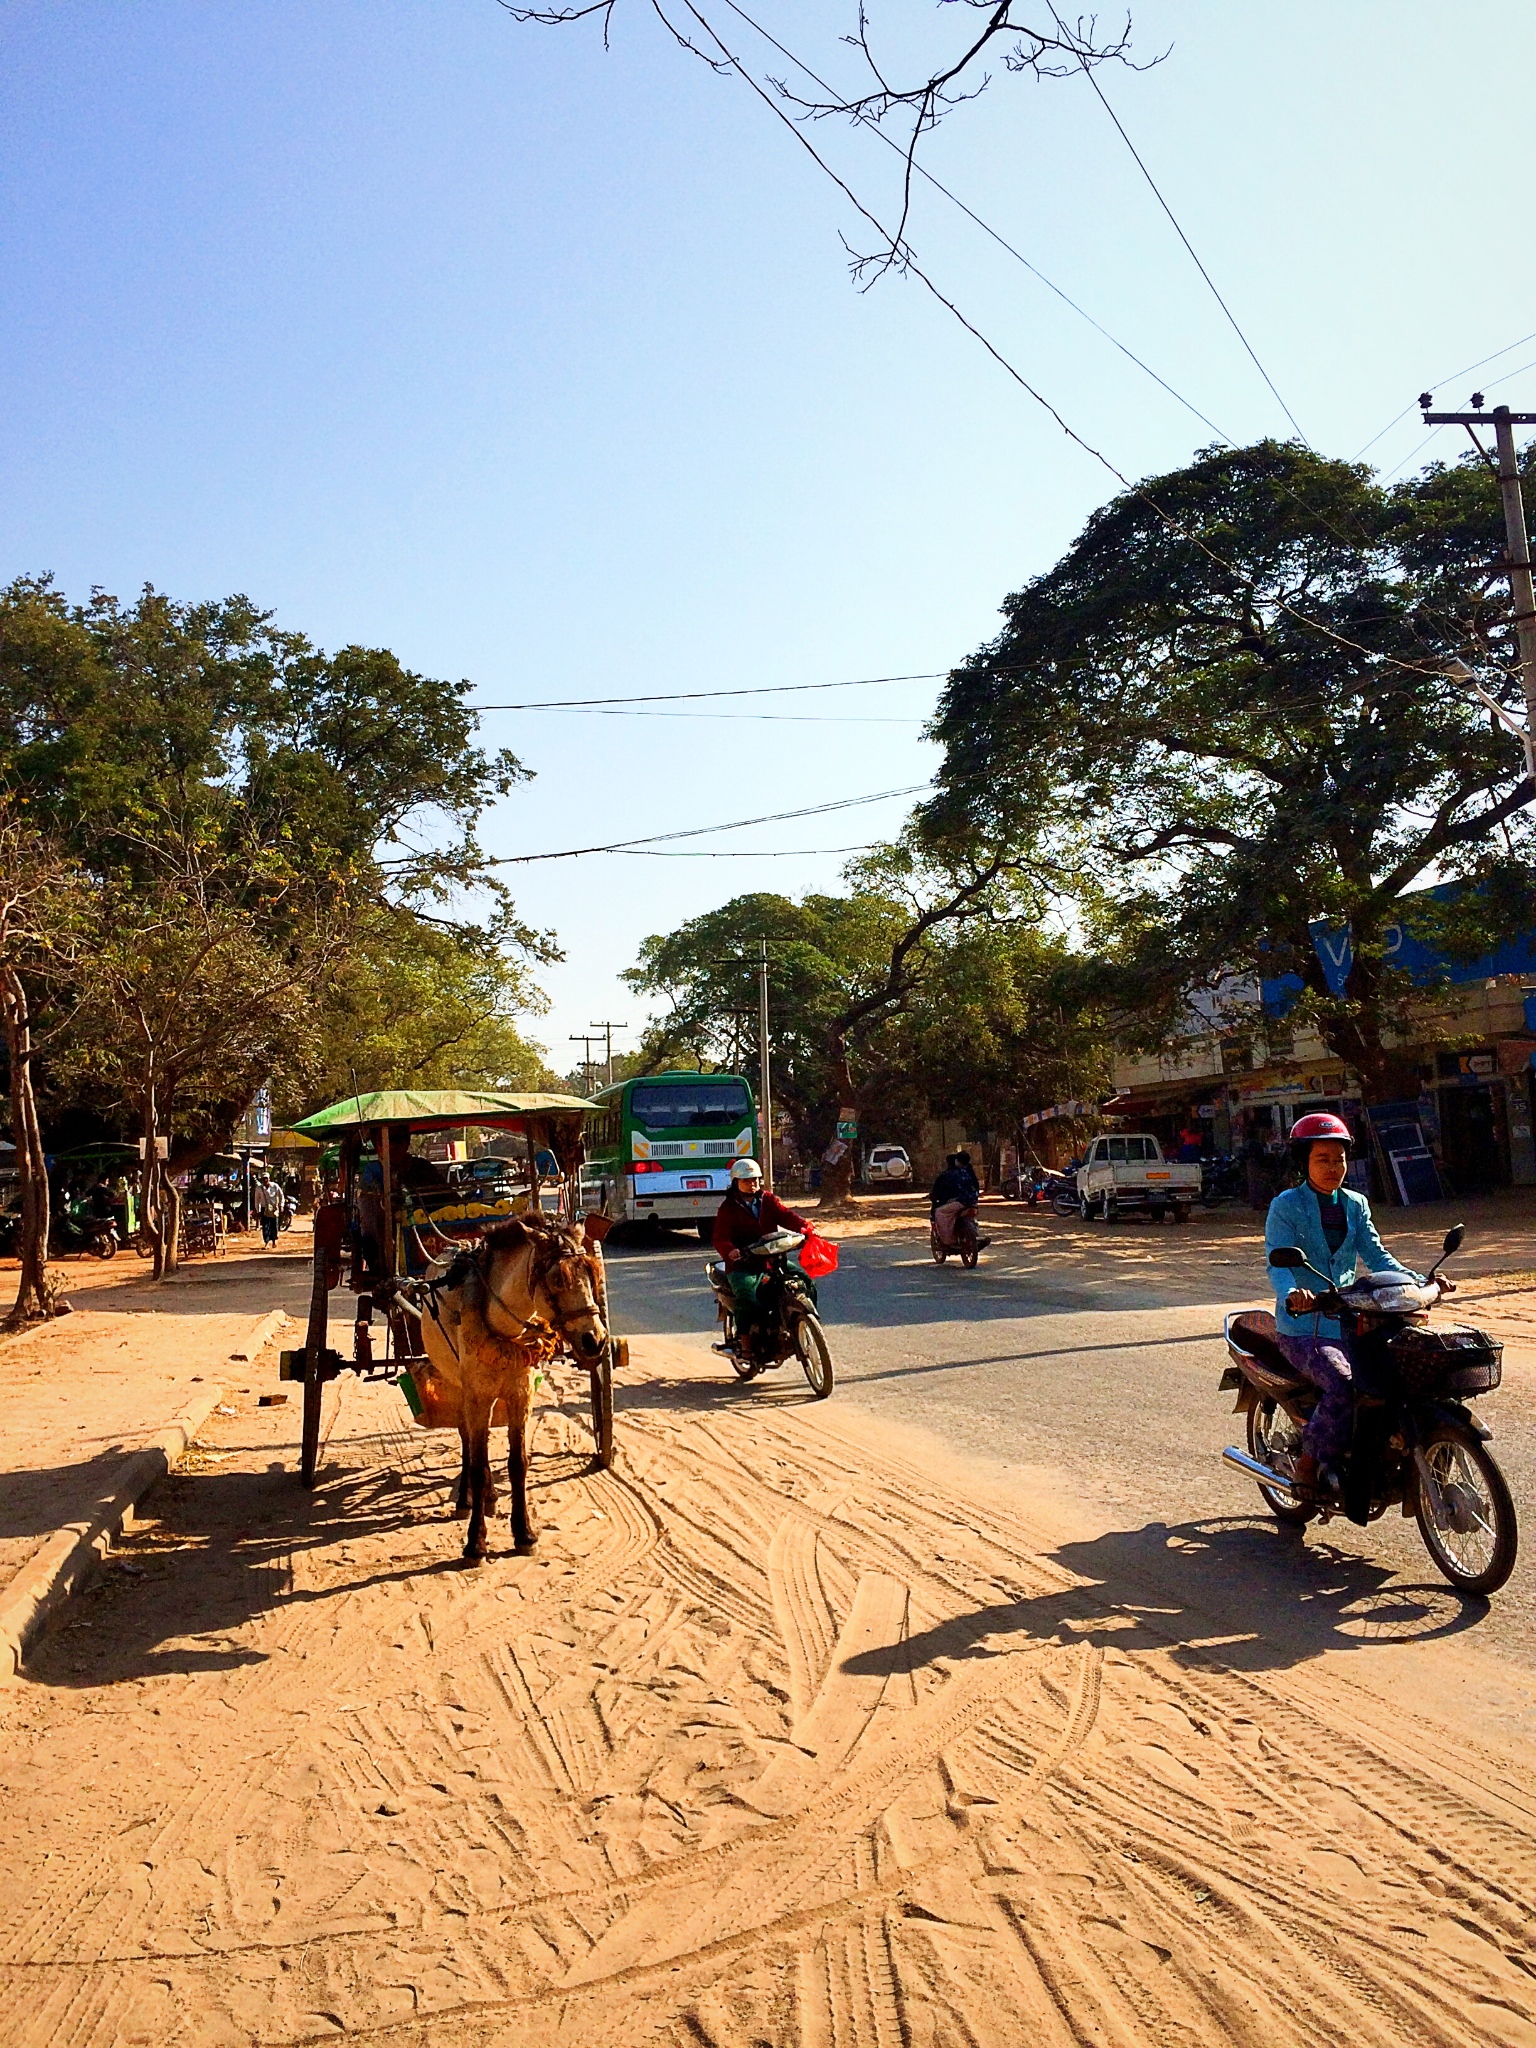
[422, 1294]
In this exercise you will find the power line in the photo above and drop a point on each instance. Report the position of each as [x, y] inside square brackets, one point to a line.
[735, 853]
[909, 264]
[738, 717]
[846, 803]
[987, 229]
[1087, 72]
[689, 696]
[1449, 378]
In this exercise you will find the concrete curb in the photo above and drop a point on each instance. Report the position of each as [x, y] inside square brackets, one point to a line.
[71, 1554]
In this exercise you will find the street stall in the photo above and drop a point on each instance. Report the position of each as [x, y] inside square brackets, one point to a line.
[399, 1215]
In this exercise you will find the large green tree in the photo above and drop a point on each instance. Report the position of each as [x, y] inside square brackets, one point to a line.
[248, 812]
[924, 978]
[1231, 694]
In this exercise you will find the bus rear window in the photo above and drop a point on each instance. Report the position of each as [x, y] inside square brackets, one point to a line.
[690, 1105]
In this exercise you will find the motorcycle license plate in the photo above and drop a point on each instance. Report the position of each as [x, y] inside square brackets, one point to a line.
[690, 1185]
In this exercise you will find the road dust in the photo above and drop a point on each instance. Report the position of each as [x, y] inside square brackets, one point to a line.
[779, 1739]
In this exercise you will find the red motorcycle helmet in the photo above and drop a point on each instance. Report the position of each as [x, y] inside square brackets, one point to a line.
[1321, 1124]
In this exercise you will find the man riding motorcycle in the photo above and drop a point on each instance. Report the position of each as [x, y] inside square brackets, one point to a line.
[954, 1193]
[1332, 1225]
[748, 1213]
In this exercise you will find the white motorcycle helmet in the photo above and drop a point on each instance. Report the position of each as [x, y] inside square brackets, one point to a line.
[746, 1169]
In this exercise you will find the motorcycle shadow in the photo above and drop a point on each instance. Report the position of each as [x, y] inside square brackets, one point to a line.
[1234, 1590]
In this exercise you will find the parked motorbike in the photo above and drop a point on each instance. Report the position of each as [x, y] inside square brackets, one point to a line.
[1223, 1179]
[1057, 1191]
[967, 1239]
[77, 1227]
[786, 1325]
[1416, 1444]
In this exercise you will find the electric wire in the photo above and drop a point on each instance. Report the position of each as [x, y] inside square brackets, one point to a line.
[743, 717]
[696, 696]
[845, 803]
[987, 229]
[1188, 244]
[911, 267]
[1449, 378]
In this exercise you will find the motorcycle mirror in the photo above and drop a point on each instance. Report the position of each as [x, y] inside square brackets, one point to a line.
[1287, 1255]
[1453, 1239]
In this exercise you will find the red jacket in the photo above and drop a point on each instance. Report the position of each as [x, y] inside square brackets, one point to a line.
[736, 1227]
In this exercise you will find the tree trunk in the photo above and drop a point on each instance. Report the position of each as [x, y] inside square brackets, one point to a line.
[151, 1221]
[35, 1296]
[170, 1227]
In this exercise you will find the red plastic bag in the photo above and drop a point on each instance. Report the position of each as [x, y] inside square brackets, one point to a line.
[818, 1257]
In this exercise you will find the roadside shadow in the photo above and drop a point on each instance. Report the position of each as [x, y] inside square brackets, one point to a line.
[280, 1279]
[214, 1554]
[782, 1386]
[1230, 1590]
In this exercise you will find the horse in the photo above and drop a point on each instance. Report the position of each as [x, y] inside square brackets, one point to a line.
[487, 1325]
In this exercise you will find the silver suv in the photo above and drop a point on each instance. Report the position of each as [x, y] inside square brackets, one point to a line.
[887, 1166]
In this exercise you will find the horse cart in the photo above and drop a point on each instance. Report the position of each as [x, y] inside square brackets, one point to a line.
[395, 1217]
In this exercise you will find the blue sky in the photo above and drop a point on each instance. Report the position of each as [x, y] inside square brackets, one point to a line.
[542, 365]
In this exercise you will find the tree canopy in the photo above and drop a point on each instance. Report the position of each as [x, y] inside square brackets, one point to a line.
[1230, 696]
[278, 852]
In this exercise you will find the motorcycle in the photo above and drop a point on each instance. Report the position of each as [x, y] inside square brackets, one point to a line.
[1416, 1445]
[1223, 1179]
[786, 1324]
[967, 1240]
[79, 1228]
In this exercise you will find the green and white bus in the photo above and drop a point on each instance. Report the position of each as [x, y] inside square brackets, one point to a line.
[659, 1147]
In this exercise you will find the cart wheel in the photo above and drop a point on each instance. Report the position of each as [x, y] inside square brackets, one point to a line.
[602, 1409]
[314, 1368]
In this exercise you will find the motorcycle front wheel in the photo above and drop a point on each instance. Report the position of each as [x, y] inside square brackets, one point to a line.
[940, 1251]
[1476, 1548]
[815, 1355]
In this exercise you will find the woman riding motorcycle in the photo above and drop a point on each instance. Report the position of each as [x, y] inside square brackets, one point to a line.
[1332, 1225]
[954, 1194]
[748, 1213]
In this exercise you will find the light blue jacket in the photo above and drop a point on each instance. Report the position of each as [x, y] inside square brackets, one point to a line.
[1294, 1219]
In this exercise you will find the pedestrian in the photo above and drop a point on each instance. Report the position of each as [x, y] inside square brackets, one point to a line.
[270, 1206]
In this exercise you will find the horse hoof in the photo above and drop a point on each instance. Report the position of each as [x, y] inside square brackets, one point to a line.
[527, 1547]
[473, 1557]
[461, 1514]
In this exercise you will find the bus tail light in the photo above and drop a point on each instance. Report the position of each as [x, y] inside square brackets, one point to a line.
[647, 1166]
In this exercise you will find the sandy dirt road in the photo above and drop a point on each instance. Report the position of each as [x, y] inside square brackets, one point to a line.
[784, 1737]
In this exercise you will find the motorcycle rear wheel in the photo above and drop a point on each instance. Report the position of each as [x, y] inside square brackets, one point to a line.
[104, 1245]
[970, 1250]
[1481, 1558]
[1270, 1429]
[815, 1355]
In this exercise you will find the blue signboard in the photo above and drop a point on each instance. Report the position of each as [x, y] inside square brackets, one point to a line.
[1335, 948]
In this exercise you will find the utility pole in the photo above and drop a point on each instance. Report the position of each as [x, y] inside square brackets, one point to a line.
[1517, 559]
[766, 1086]
[608, 1029]
[587, 1061]
[765, 1066]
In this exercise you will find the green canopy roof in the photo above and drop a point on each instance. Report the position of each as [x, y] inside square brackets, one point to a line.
[440, 1108]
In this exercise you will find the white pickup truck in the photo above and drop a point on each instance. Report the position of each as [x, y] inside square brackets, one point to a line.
[1130, 1173]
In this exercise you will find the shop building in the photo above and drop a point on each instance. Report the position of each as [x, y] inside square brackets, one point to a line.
[1474, 1106]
